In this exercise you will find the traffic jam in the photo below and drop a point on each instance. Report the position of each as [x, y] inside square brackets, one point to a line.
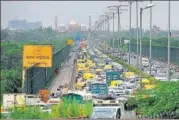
[158, 67]
[107, 83]
[100, 80]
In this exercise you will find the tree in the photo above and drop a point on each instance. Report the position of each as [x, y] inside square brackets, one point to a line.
[4, 34]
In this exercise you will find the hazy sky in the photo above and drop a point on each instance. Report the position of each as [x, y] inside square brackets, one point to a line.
[45, 11]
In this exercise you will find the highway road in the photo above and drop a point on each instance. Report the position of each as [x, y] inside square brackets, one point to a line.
[65, 75]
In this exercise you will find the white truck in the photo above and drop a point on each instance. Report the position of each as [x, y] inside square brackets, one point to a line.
[107, 109]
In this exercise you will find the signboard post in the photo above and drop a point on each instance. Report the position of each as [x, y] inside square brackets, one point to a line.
[37, 56]
[112, 76]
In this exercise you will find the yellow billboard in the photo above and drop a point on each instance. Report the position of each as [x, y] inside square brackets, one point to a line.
[70, 42]
[37, 55]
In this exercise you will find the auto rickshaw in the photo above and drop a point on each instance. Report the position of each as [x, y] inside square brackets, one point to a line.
[114, 83]
[129, 75]
[88, 75]
[80, 85]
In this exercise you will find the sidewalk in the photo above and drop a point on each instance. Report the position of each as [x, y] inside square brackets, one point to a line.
[64, 76]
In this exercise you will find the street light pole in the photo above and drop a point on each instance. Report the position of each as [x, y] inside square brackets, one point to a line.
[150, 54]
[137, 34]
[119, 25]
[129, 55]
[169, 35]
[113, 29]
[141, 47]
[117, 8]
[113, 21]
[141, 10]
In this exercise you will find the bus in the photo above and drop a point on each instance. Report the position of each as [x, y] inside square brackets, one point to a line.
[79, 96]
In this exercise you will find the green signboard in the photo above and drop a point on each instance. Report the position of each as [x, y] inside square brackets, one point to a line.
[112, 76]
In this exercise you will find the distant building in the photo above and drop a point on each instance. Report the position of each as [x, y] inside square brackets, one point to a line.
[73, 26]
[17, 24]
[33, 25]
[23, 25]
[62, 28]
[84, 27]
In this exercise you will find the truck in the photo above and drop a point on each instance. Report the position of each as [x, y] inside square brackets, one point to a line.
[99, 89]
[114, 75]
[107, 109]
[145, 62]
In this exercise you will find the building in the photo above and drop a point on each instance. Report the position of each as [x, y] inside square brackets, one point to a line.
[84, 28]
[17, 24]
[56, 23]
[73, 26]
[23, 25]
[33, 25]
[62, 28]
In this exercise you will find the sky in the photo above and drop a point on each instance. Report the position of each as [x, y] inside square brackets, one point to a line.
[45, 11]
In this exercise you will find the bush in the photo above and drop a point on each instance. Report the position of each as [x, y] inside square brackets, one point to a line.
[165, 97]
[69, 108]
[28, 112]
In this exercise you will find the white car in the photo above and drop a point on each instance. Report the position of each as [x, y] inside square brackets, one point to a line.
[161, 76]
[152, 72]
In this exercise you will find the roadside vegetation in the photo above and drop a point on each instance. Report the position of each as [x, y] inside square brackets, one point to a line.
[65, 109]
[162, 101]
[72, 109]
[159, 41]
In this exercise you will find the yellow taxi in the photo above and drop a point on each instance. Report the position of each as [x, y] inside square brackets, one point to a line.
[107, 67]
[129, 74]
[114, 83]
[88, 75]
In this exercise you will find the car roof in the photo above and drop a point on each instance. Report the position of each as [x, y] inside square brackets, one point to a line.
[108, 107]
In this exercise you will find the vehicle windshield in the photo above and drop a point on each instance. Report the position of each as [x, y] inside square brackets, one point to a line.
[103, 113]
[175, 76]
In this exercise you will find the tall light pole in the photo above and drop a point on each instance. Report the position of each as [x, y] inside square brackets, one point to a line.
[150, 51]
[137, 34]
[141, 10]
[117, 9]
[109, 17]
[129, 55]
[113, 27]
[169, 35]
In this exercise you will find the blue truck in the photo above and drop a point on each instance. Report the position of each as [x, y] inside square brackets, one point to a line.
[99, 89]
[112, 75]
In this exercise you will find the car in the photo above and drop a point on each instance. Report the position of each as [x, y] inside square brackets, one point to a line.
[161, 76]
[145, 61]
[152, 72]
[107, 110]
[175, 77]
[161, 70]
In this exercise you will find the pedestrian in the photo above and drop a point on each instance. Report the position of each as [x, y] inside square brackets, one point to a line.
[55, 95]
[56, 70]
